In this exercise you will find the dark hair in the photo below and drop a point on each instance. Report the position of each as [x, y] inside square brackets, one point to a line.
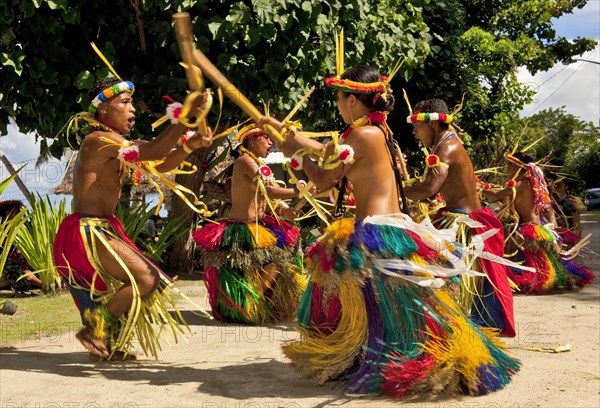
[524, 157]
[367, 74]
[9, 207]
[101, 85]
[431, 105]
[235, 153]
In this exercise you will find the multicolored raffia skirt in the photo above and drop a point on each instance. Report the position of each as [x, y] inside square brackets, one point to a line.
[252, 270]
[488, 300]
[76, 246]
[388, 331]
[538, 249]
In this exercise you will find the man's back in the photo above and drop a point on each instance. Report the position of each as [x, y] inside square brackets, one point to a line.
[459, 188]
[524, 203]
[243, 191]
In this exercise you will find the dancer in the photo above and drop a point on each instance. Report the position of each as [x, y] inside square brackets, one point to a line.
[253, 259]
[534, 243]
[373, 313]
[567, 209]
[119, 292]
[449, 171]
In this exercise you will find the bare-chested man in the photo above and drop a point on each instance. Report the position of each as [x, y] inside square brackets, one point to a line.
[108, 276]
[252, 260]
[449, 171]
[370, 276]
[534, 242]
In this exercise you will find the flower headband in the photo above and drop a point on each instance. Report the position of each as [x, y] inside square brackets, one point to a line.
[429, 117]
[249, 131]
[105, 95]
[347, 85]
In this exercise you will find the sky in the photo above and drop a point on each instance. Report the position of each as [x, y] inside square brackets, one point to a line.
[575, 86]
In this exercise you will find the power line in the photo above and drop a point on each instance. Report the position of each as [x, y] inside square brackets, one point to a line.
[553, 92]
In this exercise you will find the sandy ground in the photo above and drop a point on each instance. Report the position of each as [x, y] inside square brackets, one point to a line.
[224, 366]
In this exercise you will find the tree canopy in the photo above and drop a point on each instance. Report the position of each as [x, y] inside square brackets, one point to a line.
[274, 50]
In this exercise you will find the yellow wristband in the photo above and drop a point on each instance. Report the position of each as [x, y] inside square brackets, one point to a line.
[186, 148]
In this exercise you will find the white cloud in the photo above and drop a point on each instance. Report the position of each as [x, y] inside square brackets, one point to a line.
[575, 86]
[583, 22]
[22, 149]
[19, 146]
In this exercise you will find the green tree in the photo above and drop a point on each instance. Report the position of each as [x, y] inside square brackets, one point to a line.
[555, 137]
[274, 50]
[477, 47]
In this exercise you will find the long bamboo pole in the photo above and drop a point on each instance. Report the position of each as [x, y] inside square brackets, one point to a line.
[17, 179]
[236, 96]
[185, 39]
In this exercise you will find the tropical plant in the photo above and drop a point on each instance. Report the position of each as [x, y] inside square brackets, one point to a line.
[134, 219]
[36, 239]
[10, 227]
[8, 233]
[7, 181]
[155, 247]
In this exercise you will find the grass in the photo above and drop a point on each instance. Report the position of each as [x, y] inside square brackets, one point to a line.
[39, 316]
[47, 317]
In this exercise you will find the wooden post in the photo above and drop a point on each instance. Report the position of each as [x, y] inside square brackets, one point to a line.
[18, 180]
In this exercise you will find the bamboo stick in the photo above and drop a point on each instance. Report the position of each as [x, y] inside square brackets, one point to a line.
[232, 92]
[183, 32]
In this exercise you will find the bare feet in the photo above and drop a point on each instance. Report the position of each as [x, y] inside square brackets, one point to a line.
[93, 345]
[116, 356]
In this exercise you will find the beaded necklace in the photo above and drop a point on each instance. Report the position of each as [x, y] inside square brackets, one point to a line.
[447, 136]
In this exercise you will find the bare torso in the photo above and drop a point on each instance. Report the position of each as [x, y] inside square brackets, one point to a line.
[524, 203]
[97, 181]
[459, 188]
[372, 177]
[243, 191]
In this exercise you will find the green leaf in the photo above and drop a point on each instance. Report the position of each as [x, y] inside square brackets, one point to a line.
[7, 181]
[27, 9]
[214, 26]
[13, 60]
[238, 14]
[85, 80]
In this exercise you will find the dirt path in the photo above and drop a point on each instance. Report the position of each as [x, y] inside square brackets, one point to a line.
[225, 366]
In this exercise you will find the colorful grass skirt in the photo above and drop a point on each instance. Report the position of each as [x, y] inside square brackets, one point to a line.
[252, 270]
[488, 300]
[388, 329]
[538, 249]
[76, 257]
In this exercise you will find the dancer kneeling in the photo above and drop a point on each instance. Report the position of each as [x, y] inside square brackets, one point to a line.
[120, 293]
[253, 260]
[376, 313]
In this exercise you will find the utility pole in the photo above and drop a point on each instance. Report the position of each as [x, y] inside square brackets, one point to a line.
[18, 180]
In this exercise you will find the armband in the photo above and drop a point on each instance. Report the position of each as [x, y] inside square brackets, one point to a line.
[129, 153]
